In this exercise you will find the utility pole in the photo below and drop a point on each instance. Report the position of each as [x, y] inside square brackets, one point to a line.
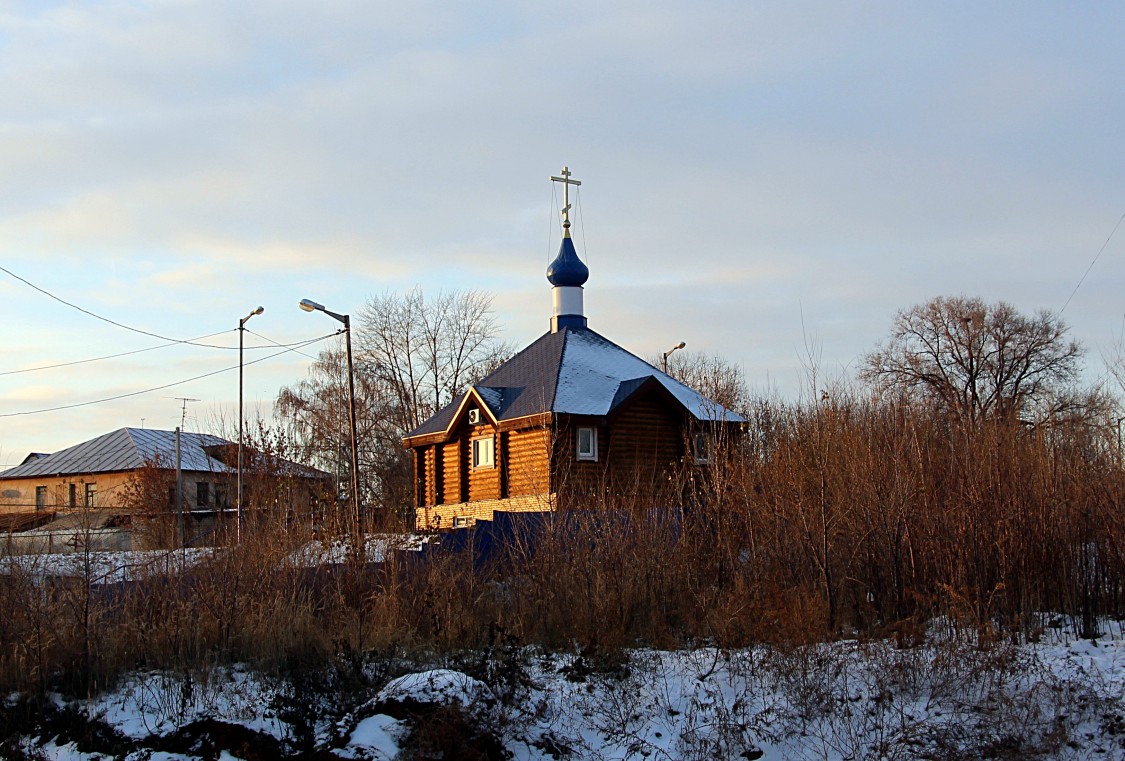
[180, 473]
[180, 492]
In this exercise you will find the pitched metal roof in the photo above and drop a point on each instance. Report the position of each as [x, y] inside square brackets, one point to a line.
[574, 371]
[126, 449]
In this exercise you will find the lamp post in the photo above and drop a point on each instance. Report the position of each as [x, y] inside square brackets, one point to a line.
[238, 498]
[312, 306]
[665, 355]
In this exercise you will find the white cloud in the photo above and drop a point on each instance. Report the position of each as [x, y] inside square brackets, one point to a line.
[173, 164]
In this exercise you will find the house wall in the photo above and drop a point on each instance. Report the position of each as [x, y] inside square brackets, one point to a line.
[444, 473]
[527, 461]
[17, 495]
[424, 482]
[453, 457]
[484, 483]
[640, 456]
[646, 447]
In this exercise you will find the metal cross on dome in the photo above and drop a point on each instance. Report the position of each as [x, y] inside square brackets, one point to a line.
[567, 182]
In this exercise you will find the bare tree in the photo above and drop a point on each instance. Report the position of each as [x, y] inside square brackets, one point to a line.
[978, 360]
[412, 357]
[426, 351]
[712, 375]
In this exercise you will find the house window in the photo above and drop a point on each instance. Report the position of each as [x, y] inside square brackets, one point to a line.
[221, 496]
[202, 494]
[701, 444]
[91, 495]
[484, 453]
[588, 444]
[74, 495]
[462, 521]
[40, 497]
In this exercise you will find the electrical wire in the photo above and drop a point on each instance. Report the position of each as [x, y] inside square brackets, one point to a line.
[1095, 261]
[158, 388]
[108, 356]
[581, 220]
[551, 224]
[150, 348]
[275, 343]
[113, 322]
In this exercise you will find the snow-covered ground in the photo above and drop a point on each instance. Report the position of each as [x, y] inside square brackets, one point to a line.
[1059, 698]
[378, 548]
[108, 567]
[114, 566]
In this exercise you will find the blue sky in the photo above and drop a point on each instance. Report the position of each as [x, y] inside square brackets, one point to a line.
[761, 180]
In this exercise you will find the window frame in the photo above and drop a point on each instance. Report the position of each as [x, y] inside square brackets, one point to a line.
[202, 493]
[701, 448]
[90, 495]
[592, 454]
[483, 445]
[40, 497]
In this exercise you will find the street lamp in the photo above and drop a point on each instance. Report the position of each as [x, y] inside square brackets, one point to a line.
[311, 306]
[238, 499]
[665, 355]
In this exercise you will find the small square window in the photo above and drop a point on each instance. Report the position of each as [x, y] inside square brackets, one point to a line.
[484, 453]
[588, 444]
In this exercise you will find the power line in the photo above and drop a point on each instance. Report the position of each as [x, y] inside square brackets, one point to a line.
[275, 343]
[157, 388]
[108, 356]
[152, 348]
[112, 322]
[1095, 261]
[551, 226]
[581, 221]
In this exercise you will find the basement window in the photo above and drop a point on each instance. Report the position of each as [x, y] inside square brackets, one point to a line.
[484, 453]
[588, 444]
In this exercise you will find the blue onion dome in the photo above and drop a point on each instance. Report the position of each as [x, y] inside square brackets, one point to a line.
[567, 269]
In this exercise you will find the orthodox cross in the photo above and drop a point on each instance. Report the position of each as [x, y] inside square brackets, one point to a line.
[567, 182]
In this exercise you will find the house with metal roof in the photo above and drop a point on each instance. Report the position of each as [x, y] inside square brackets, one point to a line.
[570, 421]
[104, 473]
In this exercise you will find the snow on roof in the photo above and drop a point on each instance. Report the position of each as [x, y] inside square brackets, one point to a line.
[594, 369]
[574, 371]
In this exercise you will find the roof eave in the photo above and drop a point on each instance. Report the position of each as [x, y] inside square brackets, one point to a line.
[444, 435]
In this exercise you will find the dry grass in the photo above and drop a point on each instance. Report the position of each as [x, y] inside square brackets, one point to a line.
[851, 516]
